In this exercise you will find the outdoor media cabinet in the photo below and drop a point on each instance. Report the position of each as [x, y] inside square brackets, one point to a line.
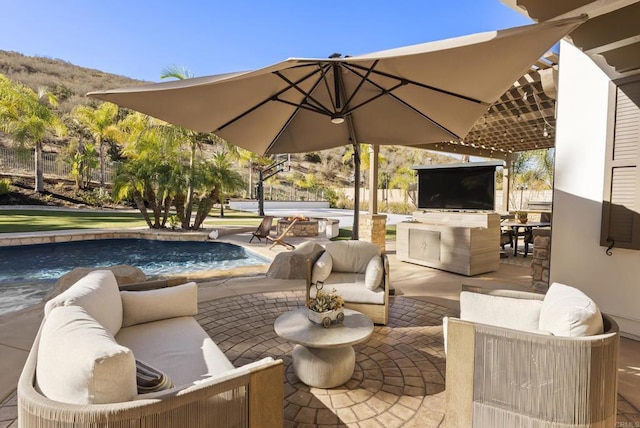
[464, 242]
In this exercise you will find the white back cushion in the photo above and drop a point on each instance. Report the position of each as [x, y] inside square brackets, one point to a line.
[152, 305]
[80, 362]
[98, 294]
[567, 311]
[351, 256]
[508, 312]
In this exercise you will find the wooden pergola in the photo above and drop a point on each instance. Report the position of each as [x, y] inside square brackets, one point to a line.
[522, 119]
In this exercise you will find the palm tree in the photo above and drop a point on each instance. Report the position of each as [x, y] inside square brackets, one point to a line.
[29, 117]
[218, 179]
[195, 140]
[102, 123]
[403, 178]
[153, 170]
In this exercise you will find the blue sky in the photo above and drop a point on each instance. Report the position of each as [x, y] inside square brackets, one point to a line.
[140, 38]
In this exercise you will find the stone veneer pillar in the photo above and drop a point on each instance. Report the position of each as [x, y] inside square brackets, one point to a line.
[541, 259]
[373, 228]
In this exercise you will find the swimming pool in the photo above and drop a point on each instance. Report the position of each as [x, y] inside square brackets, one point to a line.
[28, 272]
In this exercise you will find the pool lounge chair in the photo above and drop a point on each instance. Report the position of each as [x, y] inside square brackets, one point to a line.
[280, 239]
[263, 230]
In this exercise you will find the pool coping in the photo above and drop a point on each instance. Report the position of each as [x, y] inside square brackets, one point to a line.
[55, 236]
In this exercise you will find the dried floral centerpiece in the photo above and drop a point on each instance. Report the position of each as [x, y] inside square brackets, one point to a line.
[325, 308]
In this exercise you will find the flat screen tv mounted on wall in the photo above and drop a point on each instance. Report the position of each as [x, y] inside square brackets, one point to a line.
[457, 187]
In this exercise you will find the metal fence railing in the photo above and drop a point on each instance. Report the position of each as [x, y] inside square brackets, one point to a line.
[21, 161]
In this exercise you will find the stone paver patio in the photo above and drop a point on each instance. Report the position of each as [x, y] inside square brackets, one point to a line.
[399, 376]
[399, 379]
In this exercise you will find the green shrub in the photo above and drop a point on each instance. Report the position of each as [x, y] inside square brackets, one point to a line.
[396, 208]
[5, 186]
[96, 198]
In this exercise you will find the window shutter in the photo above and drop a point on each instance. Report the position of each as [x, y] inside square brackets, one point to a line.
[621, 202]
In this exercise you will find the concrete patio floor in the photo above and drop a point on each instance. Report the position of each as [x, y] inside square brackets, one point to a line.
[412, 282]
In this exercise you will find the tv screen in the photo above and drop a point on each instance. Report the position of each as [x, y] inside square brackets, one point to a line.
[463, 188]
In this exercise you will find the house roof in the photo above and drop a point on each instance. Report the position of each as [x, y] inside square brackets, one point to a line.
[610, 36]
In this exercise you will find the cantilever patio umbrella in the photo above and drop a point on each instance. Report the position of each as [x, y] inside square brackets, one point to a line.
[420, 94]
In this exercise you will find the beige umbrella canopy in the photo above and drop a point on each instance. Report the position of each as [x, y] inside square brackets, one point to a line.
[420, 94]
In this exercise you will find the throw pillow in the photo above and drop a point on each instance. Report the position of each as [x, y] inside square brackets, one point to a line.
[150, 379]
[151, 305]
[98, 294]
[374, 273]
[80, 362]
[322, 268]
[567, 311]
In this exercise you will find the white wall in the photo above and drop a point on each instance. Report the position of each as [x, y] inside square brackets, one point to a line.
[577, 258]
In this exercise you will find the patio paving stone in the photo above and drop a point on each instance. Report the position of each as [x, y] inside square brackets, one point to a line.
[394, 369]
[399, 377]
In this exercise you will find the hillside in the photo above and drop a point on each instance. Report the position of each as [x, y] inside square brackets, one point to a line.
[70, 82]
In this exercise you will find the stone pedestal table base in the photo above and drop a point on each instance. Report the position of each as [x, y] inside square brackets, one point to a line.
[324, 368]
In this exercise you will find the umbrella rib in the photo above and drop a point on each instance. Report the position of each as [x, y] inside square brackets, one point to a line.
[303, 106]
[388, 92]
[307, 95]
[265, 101]
[413, 82]
[363, 79]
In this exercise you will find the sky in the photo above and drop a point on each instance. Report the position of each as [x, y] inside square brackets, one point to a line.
[139, 38]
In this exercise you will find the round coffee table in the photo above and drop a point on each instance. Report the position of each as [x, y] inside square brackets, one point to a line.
[323, 357]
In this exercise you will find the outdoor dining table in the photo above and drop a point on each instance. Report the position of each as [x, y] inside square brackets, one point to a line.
[528, 227]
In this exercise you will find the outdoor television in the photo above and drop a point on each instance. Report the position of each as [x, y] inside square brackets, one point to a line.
[459, 187]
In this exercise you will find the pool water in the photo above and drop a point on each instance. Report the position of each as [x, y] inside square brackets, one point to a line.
[28, 272]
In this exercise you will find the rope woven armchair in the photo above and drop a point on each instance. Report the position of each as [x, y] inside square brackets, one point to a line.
[498, 376]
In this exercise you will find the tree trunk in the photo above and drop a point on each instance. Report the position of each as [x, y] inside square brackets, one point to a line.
[167, 208]
[204, 208]
[39, 187]
[101, 155]
[137, 198]
[178, 202]
[189, 203]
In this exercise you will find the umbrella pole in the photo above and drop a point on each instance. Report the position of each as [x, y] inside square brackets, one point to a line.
[356, 173]
[356, 198]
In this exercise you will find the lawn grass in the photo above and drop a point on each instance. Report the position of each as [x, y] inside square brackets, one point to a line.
[25, 221]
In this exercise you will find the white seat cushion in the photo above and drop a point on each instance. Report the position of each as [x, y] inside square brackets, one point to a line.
[352, 289]
[567, 311]
[177, 346]
[98, 294]
[80, 362]
[151, 305]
